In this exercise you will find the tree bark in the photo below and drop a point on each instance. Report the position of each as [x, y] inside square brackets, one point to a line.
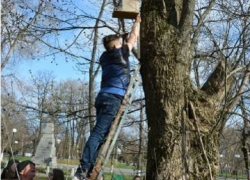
[180, 118]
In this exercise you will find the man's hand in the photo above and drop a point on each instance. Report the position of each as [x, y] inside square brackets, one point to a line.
[138, 18]
[134, 33]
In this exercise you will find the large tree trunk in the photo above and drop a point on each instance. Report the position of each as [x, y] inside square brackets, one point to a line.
[183, 142]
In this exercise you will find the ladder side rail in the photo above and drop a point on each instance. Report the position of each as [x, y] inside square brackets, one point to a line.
[125, 104]
[112, 130]
[122, 121]
[111, 147]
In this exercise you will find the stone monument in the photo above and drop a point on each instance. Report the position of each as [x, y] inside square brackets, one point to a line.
[45, 154]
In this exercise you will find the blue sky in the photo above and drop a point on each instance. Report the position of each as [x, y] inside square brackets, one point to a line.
[61, 70]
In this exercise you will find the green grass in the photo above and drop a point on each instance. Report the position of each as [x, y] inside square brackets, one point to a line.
[107, 176]
[76, 162]
[229, 175]
[68, 161]
[41, 178]
[122, 166]
[42, 170]
[73, 162]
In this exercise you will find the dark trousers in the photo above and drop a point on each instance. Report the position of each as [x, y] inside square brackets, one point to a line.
[106, 105]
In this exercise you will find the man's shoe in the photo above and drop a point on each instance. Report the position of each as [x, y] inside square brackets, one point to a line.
[79, 174]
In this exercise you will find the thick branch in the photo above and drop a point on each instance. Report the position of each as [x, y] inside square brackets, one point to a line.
[187, 17]
[215, 81]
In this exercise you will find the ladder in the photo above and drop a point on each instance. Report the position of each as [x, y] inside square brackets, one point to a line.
[116, 126]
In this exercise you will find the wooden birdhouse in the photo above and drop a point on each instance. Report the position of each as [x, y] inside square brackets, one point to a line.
[126, 9]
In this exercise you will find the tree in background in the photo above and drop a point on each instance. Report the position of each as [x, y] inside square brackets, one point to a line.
[18, 38]
[32, 30]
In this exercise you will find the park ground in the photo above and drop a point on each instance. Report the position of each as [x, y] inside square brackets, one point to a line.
[118, 169]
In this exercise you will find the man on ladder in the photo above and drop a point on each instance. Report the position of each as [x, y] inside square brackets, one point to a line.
[115, 80]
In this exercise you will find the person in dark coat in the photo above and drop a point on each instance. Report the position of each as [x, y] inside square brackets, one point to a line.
[9, 172]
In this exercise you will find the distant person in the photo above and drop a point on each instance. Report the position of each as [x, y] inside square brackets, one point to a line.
[9, 172]
[56, 174]
[26, 170]
[137, 177]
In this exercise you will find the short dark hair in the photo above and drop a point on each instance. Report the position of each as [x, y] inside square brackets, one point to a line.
[58, 174]
[108, 39]
[137, 176]
[23, 164]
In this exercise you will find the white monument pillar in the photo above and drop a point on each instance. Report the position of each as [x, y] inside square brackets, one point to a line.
[46, 150]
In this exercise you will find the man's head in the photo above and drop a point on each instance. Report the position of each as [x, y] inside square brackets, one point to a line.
[56, 174]
[26, 170]
[111, 41]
